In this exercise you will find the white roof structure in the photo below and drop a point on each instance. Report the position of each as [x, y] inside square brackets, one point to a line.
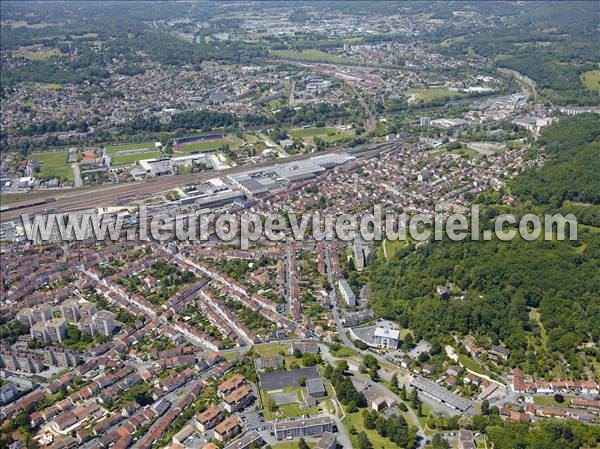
[384, 332]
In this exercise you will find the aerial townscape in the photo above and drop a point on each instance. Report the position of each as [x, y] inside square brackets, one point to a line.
[140, 113]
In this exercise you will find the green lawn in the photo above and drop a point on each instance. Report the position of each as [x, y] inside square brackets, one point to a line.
[307, 55]
[53, 164]
[591, 80]
[251, 138]
[36, 54]
[550, 402]
[429, 94]
[133, 146]
[211, 145]
[343, 352]
[133, 158]
[289, 411]
[471, 364]
[292, 445]
[391, 247]
[269, 349]
[310, 132]
[356, 420]
[534, 316]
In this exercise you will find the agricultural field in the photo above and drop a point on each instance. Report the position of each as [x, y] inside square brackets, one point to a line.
[591, 80]
[199, 147]
[125, 159]
[133, 146]
[53, 164]
[307, 55]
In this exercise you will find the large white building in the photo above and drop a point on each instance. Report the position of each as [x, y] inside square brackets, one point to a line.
[387, 338]
[347, 293]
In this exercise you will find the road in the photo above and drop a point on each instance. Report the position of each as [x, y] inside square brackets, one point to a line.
[76, 176]
[326, 354]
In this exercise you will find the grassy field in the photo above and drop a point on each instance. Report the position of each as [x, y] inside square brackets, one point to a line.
[534, 316]
[550, 402]
[133, 146]
[210, 145]
[307, 55]
[289, 411]
[391, 247]
[292, 445]
[591, 80]
[133, 158]
[343, 352]
[310, 132]
[471, 364]
[38, 54]
[269, 349]
[50, 86]
[53, 164]
[431, 94]
[355, 420]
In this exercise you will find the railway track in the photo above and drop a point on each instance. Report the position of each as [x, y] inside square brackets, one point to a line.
[113, 195]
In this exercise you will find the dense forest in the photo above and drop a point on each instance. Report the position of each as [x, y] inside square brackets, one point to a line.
[571, 170]
[562, 279]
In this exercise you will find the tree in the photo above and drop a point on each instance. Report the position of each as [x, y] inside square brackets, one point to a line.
[363, 441]
[342, 366]
[485, 407]
[302, 381]
[438, 442]
[394, 383]
[302, 444]
[414, 399]
[559, 398]
[403, 395]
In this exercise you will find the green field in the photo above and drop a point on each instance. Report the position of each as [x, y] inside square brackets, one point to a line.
[549, 401]
[36, 54]
[310, 132]
[591, 80]
[431, 94]
[307, 55]
[53, 164]
[270, 349]
[289, 411]
[133, 158]
[391, 247]
[50, 86]
[292, 445]
[355, 420]
[132, 146]
[471, 364]
[211, 145]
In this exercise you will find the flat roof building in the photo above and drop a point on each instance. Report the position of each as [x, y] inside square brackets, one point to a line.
[303, 427]
[440, 394]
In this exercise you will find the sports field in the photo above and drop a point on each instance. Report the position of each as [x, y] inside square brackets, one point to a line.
[209, 145]
[310, 132]
[53, 164]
